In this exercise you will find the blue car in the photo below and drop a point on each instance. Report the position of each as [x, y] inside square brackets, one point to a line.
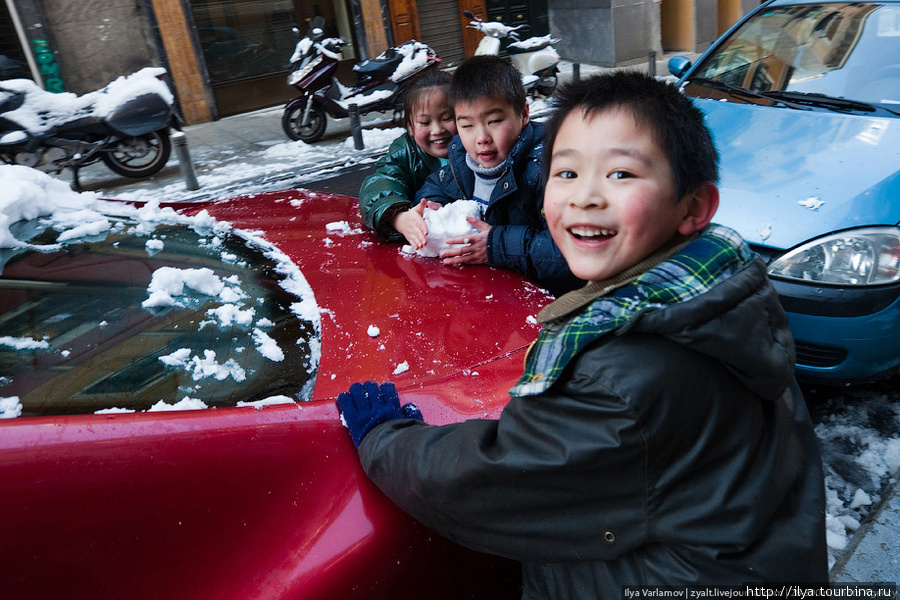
[803, 99]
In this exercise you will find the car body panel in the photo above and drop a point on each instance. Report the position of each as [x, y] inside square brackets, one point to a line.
[272, 503]
[774, 159]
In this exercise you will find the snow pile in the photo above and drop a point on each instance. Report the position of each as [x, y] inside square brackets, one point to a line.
[29, 194]
[377, 138]
[42, 110]
[415, 58]
[449, 221]
[533, 43]
[859, 436]
[10, 408]
[206, 367]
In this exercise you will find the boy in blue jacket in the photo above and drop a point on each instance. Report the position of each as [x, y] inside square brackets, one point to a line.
[496, 160]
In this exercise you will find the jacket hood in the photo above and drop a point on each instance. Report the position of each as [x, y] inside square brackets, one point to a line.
[740, 324]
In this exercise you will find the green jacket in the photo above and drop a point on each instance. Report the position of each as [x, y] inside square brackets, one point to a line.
[390, 189]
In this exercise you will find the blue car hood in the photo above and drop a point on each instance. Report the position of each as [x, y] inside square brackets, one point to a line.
[787, 175]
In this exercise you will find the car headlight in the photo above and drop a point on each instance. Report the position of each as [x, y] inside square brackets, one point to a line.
[858, 257]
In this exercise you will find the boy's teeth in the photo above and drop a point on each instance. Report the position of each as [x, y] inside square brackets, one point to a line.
[584, 232]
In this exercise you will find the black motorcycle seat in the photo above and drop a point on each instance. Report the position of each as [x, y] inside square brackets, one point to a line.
[384, 65]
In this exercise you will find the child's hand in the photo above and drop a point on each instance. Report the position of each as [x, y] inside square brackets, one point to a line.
[471, 249]
[369, 404]
[411, 224]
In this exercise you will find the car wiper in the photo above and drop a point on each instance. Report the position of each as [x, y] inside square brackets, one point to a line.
[821, 100]
[736, 90]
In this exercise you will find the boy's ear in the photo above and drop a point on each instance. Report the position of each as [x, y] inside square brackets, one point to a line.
[700, 208]
[525, 114]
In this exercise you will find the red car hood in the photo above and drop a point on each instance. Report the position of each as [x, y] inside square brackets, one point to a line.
[246, 503]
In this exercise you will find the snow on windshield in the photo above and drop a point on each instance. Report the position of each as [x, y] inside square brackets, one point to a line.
[33, 201]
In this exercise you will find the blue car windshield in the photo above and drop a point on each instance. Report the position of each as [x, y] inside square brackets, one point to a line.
[841, 50]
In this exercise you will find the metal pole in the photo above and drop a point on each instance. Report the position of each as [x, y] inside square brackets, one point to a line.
[184, 160]
[651, 64]
[356, 127]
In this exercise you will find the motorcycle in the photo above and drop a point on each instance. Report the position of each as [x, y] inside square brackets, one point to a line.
[125, 125]
[534, 58]
[381, 82]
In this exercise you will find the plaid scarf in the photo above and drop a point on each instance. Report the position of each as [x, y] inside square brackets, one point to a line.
[717, 254]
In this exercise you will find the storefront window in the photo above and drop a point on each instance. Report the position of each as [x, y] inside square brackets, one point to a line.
[250, 38]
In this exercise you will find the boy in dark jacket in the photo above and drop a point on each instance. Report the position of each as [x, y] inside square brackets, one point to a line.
[657, 436]
[495, 159]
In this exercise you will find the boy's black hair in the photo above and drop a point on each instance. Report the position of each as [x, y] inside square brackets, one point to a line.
[670, 117]
[487, 77]
[422, 85]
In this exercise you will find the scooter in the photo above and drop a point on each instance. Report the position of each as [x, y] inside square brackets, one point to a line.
[534, 58]
[125, 125]
[381, 82]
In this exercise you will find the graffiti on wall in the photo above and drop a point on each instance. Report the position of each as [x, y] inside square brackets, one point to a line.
[47, 65]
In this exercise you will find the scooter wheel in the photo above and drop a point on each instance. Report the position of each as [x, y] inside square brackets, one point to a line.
[314, 130]
[139, 156]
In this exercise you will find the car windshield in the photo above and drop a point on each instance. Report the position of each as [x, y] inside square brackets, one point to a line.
[797, 52]
[139, 320]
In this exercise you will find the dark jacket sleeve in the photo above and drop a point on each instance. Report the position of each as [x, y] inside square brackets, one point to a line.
[519, 239]
[391, 188]
[536, 485]
[531, 251]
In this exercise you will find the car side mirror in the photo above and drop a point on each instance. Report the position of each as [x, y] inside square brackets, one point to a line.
[678, 65]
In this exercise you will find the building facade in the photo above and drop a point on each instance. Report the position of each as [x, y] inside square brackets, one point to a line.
[230, 56]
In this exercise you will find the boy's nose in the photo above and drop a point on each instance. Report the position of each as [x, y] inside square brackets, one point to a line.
[587, 195]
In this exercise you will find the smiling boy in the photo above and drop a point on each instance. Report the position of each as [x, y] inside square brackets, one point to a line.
[657, 436]
[495, 160]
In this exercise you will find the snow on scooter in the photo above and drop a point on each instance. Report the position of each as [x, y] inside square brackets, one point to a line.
[125, 124]
[381, 82]
[535, 58]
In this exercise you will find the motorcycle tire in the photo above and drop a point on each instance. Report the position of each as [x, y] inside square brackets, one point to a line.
[313, 132]
[139, 156]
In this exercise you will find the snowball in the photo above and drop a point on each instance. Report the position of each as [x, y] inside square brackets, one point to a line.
[373, 331]
[447, 222]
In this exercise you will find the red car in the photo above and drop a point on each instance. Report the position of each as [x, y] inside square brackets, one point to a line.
[258, 501]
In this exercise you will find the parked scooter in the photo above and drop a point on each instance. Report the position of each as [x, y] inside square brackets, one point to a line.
[535, 58]
[125, 125]
[381, 82]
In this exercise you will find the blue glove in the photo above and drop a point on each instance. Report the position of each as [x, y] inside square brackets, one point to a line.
[367, 405]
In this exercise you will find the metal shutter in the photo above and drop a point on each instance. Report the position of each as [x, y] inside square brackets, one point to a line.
[439, 24]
